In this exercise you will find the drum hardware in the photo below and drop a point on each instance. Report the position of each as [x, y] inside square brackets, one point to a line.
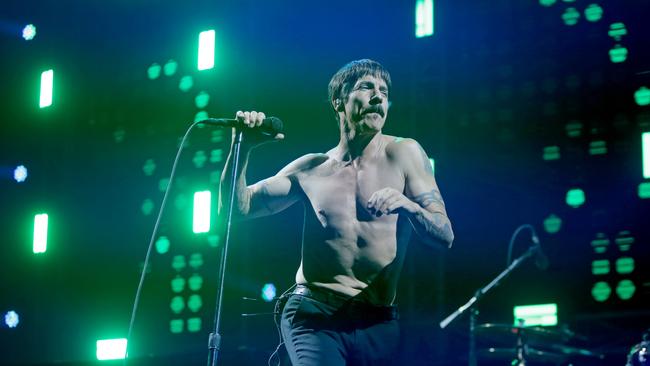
[639, 354]
[535, 344]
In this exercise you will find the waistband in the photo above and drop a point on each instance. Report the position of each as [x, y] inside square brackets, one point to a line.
[351, 305]
[321, 294]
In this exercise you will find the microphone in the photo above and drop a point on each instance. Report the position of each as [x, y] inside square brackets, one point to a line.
[541, 260]
[270, 126]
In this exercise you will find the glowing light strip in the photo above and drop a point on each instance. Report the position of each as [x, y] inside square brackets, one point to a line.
[645, 139]
[202, 203]
[423, 18]
[47, 86]
[206, 50]
[111, 349]
[40, 233]
[543, 314]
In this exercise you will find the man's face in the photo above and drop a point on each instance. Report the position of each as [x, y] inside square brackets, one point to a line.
[366, 106]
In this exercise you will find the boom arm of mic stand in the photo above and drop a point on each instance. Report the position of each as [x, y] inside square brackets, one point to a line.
[529, 253]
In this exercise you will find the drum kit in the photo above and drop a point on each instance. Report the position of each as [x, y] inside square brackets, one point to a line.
[535, 345]
[531, 345]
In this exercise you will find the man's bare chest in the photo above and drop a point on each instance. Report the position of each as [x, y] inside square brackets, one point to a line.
[339, 193]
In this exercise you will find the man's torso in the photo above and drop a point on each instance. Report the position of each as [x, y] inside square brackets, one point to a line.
[353, 248]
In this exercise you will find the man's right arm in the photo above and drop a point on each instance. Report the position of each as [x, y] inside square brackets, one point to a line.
[266, 197]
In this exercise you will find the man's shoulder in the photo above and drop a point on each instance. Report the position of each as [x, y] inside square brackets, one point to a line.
[397, 147]
[305, 163]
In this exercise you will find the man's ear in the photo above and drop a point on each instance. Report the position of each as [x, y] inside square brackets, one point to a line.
[338, 105]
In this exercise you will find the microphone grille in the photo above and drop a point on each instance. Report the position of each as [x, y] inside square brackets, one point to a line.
[276, 124]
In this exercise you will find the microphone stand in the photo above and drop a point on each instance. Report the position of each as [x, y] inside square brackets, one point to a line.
[214, 342]
[470, 305]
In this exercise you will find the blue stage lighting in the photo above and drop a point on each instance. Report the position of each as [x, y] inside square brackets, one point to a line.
[268, 292]
[20, 173]
[12, 319]
[29, 32]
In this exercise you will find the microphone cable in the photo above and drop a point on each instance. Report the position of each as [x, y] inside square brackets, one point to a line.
[514, 235]
[281, 301]
[136, 301]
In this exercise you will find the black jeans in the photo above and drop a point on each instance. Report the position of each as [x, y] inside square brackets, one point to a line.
[320, 327]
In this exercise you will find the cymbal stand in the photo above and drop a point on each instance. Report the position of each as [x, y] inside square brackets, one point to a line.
[521, 348]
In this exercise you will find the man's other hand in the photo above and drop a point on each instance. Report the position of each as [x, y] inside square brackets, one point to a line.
[389, 201]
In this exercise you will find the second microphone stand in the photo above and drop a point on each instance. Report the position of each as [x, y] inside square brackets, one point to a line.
[471, 303]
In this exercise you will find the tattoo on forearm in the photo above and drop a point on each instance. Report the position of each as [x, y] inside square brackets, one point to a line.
[437, 225]
[242, 195]
[427, 198]
[427, 163]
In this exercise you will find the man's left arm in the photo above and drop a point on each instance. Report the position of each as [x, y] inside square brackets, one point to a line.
[421, 200]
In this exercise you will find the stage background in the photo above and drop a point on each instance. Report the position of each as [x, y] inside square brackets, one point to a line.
[517, 105]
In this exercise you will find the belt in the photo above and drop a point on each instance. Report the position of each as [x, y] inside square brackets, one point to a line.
[322, 295]
[353, 306]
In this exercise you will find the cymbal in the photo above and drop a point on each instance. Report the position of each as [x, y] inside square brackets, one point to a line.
[532, 354]
[509, 332]
[573, 351]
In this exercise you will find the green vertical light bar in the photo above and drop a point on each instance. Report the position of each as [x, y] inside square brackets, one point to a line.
[111, 349]
[645, 142]
[40, 233]
[47, 86]
[202, 203]
[206, 50]
[423, 18]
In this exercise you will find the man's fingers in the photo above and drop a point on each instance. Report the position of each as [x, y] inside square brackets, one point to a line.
[393, 207]
[385, 201]
[250, 118]
[390, 202]
[253, 119]
[377, 200]
[371, 200]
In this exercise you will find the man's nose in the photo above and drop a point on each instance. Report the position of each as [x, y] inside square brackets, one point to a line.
[377, 97]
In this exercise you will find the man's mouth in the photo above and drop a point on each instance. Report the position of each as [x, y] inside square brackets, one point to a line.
[377, 110]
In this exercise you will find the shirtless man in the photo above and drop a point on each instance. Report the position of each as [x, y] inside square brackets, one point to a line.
[363, 196]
